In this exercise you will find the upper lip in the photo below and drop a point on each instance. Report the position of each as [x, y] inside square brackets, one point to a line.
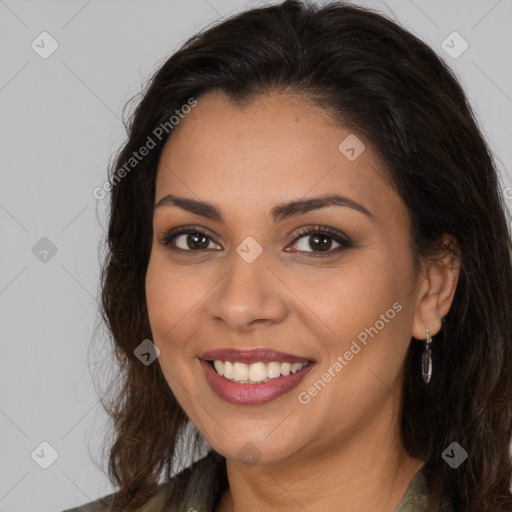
[251, 355]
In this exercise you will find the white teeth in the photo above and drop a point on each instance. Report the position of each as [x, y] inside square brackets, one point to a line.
[219, 366]
[255, 372]
[285, 368]
[273, 370]
[241, 372]
[229, 372]
[295, 367]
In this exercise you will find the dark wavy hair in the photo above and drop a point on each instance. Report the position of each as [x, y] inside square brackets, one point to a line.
[378, 80]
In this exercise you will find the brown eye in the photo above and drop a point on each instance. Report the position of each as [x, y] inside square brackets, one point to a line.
[193, 241]
[322, 242]
[189, 239]
[186, 240]
[321, 239]
[318, 242]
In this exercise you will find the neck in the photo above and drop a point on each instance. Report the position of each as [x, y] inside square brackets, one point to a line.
[370, 471]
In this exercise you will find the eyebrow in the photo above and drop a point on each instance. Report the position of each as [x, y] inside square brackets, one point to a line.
[278, 213]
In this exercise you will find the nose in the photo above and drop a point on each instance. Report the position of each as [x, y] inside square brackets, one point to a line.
[248, 295]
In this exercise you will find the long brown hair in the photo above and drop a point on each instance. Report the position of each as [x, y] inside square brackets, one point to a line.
[381, 81]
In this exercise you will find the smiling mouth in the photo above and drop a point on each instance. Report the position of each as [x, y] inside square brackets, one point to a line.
[257, 372]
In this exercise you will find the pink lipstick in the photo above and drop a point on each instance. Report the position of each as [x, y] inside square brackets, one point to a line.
[253, 376]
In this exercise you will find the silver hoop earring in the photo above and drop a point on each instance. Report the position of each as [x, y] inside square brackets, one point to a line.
[426, 360]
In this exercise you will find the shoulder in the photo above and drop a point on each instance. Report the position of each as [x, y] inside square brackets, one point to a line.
[192, 481]
[99, 505]
[104, 504]
[416, 498]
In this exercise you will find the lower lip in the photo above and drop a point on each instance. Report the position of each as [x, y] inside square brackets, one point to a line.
[251, 394]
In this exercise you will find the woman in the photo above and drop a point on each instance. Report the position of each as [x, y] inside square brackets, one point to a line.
[309, 268]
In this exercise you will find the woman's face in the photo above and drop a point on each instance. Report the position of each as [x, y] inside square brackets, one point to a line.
[345, 301]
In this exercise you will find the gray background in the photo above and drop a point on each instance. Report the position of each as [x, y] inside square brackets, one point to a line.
[60, 121]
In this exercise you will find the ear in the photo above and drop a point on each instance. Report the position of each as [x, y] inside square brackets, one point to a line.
[435, 290]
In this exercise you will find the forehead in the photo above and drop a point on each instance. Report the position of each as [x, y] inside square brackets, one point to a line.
[278, 147]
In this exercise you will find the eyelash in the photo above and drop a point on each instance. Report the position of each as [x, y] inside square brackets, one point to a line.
[344, 241]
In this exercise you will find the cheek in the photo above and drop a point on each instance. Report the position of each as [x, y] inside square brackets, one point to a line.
[170, 302]
[352, 297]
[170, 298]
[366, 309]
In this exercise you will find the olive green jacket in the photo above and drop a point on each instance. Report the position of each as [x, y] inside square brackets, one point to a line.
[197, 495]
